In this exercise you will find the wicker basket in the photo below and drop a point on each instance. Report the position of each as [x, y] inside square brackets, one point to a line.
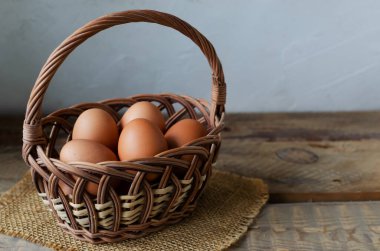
[143, 207]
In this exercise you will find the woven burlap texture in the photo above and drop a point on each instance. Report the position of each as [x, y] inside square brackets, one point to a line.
[224, 212]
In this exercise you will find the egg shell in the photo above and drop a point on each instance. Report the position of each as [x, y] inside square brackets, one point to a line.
[97, 125]
[82, 150]
[144, 110]
[141, 139]
[183, 132]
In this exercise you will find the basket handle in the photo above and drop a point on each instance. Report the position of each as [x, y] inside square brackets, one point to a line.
[32, 133]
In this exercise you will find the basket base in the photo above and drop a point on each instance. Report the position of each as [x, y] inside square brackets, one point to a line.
[107, 236]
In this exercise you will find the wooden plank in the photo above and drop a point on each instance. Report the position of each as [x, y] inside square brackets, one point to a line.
[338, 126]
[301, 171]
[302, 156]
[324, 160]
[12, 167]
[315, 226]
[306, 157]
[15, 244]
[301, 226]
[10, 131]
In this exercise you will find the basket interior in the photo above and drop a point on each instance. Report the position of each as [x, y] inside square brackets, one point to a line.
[59, 124]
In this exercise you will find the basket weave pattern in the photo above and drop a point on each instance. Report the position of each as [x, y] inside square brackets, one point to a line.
[140, 207]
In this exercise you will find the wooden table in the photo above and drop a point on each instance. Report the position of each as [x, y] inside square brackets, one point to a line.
[322, 169]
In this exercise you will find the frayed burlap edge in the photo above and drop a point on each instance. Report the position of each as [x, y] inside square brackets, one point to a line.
[247, 220]
[235, 234]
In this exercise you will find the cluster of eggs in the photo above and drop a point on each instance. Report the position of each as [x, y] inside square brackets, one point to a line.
[96, 138]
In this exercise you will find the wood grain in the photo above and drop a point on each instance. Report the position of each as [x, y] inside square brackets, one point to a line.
[302, 226]
[14, 244]
[344, 167]
[307, 157]
[315, 226]
[339, 126]
[303, 157]
[12, 166]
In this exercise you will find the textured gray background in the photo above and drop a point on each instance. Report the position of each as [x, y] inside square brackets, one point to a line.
[277, 55]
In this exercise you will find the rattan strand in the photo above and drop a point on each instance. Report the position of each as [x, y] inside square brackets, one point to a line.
[142, 207]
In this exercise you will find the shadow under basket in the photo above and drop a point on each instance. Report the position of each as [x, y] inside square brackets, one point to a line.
[137, 207]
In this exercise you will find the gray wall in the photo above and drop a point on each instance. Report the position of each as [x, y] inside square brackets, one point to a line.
[278, 55]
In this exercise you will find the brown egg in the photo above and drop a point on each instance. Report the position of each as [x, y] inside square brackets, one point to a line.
[141, 139]
[144, 110]
[183, 132]
[86, 151]
[97, 125]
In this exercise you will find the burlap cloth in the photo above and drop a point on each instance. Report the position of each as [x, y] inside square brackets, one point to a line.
[224, 212]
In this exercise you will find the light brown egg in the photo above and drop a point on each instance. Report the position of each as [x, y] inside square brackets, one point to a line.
[183, 132]
[97, 125]
[141, 139]
[86, 151]
[144, 110]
